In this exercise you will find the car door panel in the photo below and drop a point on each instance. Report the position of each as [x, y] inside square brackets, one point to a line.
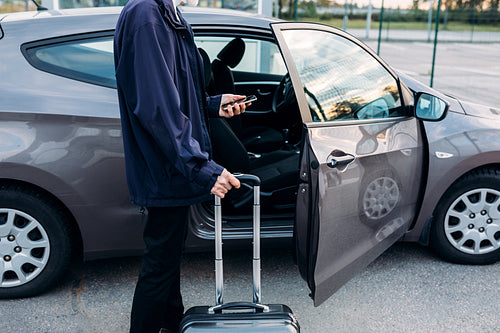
[363, 207]
[263, 86]
[362, 157]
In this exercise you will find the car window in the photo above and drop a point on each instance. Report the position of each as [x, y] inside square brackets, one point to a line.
[260, 56]
[89, 60]
[340, 79]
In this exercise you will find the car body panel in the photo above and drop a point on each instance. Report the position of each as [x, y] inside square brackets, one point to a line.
[457, 145]
[80, 154]
[483, 111]
[453, 157]
[65, 138]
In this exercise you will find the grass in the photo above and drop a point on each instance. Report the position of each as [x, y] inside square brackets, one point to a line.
[361, 24]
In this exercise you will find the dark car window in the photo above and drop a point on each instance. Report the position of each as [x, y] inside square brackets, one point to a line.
[341, 80]
[89, 60]
[260, 56]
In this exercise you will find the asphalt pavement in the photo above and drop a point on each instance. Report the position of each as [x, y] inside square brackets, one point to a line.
[469, 71]
[407, 289]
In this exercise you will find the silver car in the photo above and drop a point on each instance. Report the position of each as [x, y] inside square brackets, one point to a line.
[353, 156]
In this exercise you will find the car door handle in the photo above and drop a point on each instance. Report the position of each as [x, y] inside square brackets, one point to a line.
[263, 93]
[338, 158]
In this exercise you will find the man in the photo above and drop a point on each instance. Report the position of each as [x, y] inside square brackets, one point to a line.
[164, 111]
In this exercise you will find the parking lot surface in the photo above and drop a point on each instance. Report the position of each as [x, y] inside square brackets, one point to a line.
[468, 71]
[407, 289]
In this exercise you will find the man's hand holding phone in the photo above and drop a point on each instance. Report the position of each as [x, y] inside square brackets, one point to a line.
[232, 105]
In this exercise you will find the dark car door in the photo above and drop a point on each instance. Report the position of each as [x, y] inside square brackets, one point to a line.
[361, 164]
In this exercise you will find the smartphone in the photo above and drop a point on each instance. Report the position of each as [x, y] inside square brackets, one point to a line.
[245, 100]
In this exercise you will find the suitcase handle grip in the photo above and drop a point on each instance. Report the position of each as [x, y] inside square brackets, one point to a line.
[242, 305]
[248, 179]
[245, 178]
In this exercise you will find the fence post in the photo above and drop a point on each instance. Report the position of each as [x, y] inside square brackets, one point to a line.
[380, 27]
[473, 23]
[435, 42]
[389, 10]
[344, 27]
[368, 19]
[429, 22]
[295, 14]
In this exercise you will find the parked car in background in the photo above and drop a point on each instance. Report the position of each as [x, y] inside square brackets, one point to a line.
[352, 155]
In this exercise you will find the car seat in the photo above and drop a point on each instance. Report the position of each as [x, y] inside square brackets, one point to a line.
[278, 170]
[257, 139]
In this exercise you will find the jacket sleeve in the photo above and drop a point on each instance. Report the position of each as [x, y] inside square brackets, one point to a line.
[158, 110]
[213, 103]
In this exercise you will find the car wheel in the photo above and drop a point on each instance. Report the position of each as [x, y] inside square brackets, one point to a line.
[35, 242]
[466, 229]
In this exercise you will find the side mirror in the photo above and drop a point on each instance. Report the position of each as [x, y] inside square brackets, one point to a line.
[429, 107]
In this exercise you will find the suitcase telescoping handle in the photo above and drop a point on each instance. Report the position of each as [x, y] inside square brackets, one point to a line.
[219, 279]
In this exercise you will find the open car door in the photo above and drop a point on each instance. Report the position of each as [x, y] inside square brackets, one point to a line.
[361, 166]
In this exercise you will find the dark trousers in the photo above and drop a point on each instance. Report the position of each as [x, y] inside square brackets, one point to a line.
[157, 299]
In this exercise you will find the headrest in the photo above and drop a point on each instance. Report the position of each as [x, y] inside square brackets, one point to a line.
[232, 53]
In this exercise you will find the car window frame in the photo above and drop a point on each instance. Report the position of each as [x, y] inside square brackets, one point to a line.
[245, 39]
[233, 32]
[295, 77]
[28, 49]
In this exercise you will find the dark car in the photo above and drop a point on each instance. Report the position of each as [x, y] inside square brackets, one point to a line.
[352, 156]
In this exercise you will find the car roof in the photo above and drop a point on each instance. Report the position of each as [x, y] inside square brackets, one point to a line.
[36, 25]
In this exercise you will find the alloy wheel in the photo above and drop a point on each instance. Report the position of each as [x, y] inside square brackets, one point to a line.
[472, 221]
[24, 248]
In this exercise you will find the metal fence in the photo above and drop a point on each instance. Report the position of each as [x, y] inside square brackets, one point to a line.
[411, 20]
[392, 20]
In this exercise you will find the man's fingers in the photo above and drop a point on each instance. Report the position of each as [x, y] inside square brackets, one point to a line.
[234, 181]
[230, 112]
[237, 97]
[228, 180]
[238, 108]
[219, 190]
[218, 193]
[224, 183]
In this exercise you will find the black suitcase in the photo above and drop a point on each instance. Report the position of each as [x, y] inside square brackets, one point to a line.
[244, 317]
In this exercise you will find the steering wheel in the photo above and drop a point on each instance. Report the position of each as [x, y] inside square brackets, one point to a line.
[279, 97]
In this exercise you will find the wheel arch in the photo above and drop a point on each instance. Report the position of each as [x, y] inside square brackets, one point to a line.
[76, 236]
[472, 242]
[421, 228]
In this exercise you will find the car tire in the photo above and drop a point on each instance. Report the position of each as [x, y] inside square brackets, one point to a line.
[35, 242]
[466, 228]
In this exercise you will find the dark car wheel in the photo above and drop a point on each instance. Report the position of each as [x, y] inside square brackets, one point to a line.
[466, 229]
[34, 242]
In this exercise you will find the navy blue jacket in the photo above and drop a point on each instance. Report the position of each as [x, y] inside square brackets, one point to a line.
[163, 106]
